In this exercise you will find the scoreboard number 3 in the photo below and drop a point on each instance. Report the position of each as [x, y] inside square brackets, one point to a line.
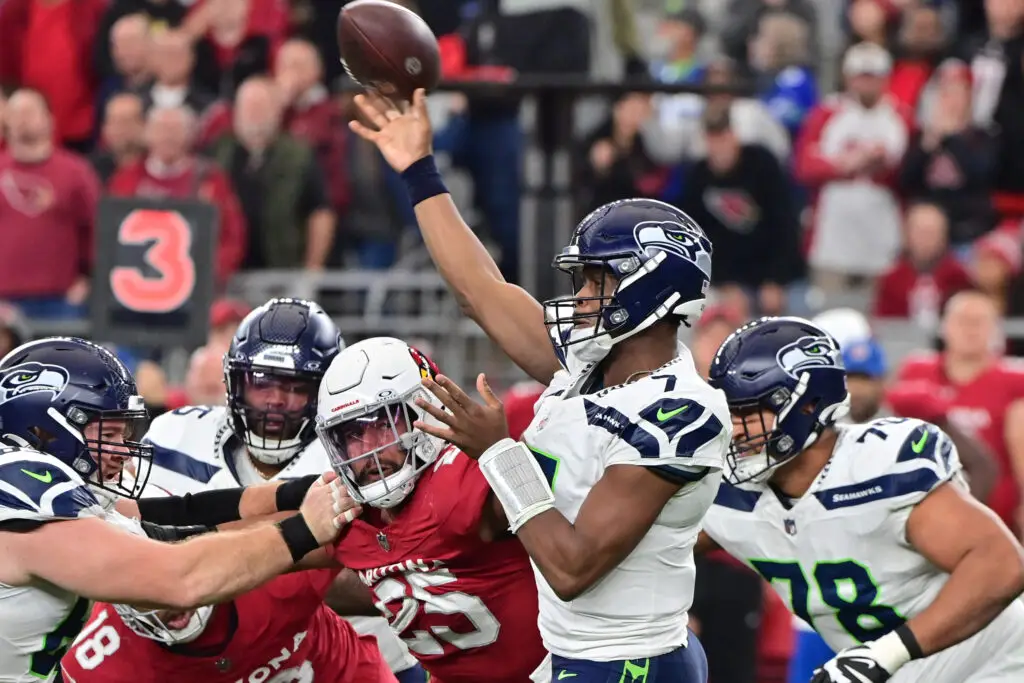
[167, 237]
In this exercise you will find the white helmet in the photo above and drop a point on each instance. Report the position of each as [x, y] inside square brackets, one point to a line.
[148, 623]
[367, 406]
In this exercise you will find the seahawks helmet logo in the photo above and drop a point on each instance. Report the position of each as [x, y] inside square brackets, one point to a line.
[28, 378]
[681, 239]
[809, 352]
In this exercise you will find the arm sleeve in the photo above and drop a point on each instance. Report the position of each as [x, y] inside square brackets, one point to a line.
[170, 534]
[207, 508]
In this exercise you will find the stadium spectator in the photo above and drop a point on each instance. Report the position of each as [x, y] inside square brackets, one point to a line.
[129, 48]
[172, 61]
[918, 285]
[279, 183]
[311, 115]
[780, 58]
[847, 155]
[744, 17]
[871, 21]
[674, 56]
[122, 135]
[995, 263]
[981, 393]
[170, 169]
[3, 104]
[918, 50]
[676, 134]
[48, 46]
[160, 15]
[950, 160]
[378, 209]
[242, 36]
[615, 164]
[996, 63]
[741, 196]
[48, 199]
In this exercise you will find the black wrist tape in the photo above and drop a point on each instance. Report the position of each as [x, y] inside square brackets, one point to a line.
[297, 536]
[291, 493]
[909, 641]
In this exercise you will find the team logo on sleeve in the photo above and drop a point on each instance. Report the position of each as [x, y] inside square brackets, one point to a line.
[681, 239]
[809, 352]
[32, 377]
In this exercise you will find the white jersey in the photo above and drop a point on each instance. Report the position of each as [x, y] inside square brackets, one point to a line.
[194, 449]
[38, 623]
[839, 555]
[671, 420]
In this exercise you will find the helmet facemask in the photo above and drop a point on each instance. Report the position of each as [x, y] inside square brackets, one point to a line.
[162, 625]
[591, 335]
[113, 458]
[797, 420]
[378, 453]
[272, 411]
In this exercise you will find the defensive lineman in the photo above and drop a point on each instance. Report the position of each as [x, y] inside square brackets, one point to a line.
[69, 411]
[867, 530]
[266, 432]
[623, 457]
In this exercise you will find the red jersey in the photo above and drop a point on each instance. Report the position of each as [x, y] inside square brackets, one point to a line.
[279, 633]
[978, 408]
[466, 608]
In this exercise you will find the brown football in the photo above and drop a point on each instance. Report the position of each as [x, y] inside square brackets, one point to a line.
[388, 48]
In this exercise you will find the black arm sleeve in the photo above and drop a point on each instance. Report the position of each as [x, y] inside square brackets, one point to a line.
[208, 508]
[170, 534]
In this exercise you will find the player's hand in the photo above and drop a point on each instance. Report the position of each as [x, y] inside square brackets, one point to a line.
[328, 507]
[403, 135]
[471, 426]
[852, 665]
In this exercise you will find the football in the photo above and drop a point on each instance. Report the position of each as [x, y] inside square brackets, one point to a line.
[388, 48]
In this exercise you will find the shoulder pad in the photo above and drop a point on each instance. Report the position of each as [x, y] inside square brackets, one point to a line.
[674, 417]
[185, 442]
[896, 459]
[37, 487]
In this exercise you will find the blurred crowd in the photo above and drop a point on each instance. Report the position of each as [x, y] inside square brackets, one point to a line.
[831, 147]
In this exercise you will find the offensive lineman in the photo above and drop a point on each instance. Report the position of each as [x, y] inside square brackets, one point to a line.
[272, 371]
[866, 530]
[432, 542]
[625, 453]
[69, 410]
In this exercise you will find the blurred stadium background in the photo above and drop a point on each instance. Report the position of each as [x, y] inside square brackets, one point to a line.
[840, 153]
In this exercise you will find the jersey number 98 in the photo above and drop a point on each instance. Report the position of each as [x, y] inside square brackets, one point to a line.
[858, 613]
[412, 596]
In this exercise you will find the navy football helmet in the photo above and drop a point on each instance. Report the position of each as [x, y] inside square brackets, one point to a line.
[793, 370]
[76, 401]
[661, 259]
[272, 372]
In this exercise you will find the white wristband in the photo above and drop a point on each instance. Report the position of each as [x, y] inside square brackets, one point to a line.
[517, 481]
[889, 651]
